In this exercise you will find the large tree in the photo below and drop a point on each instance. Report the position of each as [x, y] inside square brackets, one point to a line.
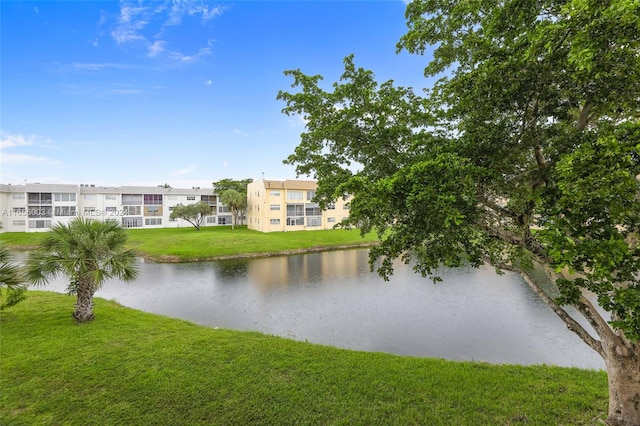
[238, 185]
[525, 154]
[88, 252]
[236, 201]
[192, 213]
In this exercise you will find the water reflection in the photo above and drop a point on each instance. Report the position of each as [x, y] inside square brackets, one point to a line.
[332, 298]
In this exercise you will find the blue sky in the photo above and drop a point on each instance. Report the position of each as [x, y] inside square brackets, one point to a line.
[147, 93]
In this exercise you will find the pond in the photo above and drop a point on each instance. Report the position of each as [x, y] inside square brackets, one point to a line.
[331, 298]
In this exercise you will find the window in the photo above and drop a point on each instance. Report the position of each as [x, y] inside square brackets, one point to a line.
[211, 219]
[89, 211]
[295, 214]
[90, 197]
[153, 221]
[274, 193]
[40, 211]
[153, 211]
[111, 211]
[190, 198]
[18, 196]
[19, 211]
[310, 195]
[111, 197]
[295, 209]
[312, 209]
[131, 210]
[19, 223]
[154, 199]
[211, 199]
[224, 220]
[131, 199]
[39, 224]
[39, 198]
[172, 197]
[274, 207]
[224, 209]
[274, 221]
[295, 221]
[65, 211]
[331, 219]
[314, 221]
[64, 196]
[346, 206]
[132, 222]
[294, 196]
[331, 206]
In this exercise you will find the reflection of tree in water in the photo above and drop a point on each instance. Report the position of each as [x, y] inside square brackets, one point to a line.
[230, 269]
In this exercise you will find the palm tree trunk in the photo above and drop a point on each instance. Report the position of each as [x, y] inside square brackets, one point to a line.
[84, 303]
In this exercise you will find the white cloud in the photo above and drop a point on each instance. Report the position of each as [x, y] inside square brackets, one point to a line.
[180, 9]
[240, 132]
[298, 120]
[96, 66]
[131, 21]
[156, 48]
[8, 140]
[135, 20]
[225, 164]
[35, 9]
[25, 159]
[208, 83]
[179, 57]
[124, 92]
[184, 171]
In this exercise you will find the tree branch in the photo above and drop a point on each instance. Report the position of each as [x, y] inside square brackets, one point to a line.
[571, 323]
[583, 118]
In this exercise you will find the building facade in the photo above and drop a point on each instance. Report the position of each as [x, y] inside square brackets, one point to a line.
[276, 206]
[36, 207]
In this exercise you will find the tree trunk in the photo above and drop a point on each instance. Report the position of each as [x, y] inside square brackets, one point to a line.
[623, 369]
[84, 303]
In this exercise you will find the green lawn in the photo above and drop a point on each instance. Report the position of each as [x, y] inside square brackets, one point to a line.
[132, 368]
[187, 244]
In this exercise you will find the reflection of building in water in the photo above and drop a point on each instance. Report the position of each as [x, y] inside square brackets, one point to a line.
[274, 205]
[273, 272]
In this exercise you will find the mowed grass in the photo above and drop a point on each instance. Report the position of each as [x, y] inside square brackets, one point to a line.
[132, 368]
[187, 244]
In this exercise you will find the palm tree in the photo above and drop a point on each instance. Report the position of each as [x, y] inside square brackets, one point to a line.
[88, 252]
[11, 277]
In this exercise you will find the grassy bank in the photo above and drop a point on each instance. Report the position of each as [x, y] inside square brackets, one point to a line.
[187, 244]
[129, 367]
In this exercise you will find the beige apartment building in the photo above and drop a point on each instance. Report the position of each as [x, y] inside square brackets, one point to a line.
[287, 205]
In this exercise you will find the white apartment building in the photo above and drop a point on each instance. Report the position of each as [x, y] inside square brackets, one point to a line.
[274, 205]
[36, 207]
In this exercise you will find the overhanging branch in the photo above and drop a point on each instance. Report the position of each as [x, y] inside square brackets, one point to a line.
[571, 323]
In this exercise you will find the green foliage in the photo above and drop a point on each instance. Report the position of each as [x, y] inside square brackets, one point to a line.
[238, 185]
[11, 279]
[236, 201]
[192, 213]
[88, 252]
[133, 368]
[525, 150]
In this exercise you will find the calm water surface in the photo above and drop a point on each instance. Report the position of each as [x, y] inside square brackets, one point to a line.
[332, 298]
